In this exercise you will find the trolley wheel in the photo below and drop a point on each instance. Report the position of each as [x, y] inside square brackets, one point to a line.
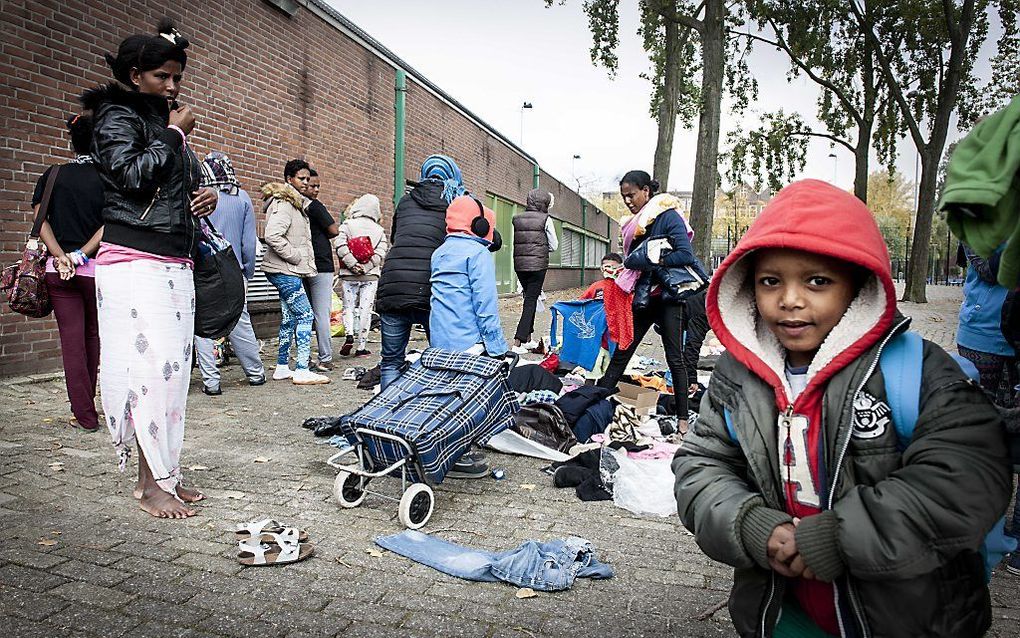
[348, 489]
[416, 505]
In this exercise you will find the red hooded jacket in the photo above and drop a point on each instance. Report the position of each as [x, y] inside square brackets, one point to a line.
[815, 217]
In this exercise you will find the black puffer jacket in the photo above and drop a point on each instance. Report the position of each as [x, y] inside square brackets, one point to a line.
[148, 172]
[419, 227]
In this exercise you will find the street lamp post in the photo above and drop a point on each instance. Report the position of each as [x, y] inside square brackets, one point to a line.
[526, 105]
[573, 171]
[835, 164]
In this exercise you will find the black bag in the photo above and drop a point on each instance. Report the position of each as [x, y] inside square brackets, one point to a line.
[544, 423]
[219, 285]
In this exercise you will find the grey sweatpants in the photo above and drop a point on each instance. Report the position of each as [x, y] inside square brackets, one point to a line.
[320, 293]
[245, 345]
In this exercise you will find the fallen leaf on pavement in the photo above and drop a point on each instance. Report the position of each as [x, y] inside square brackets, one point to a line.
[47, 420]
[198, 468]
[262, 459]
[57, 467]
[374, 553]
[528, 486]
[47, 542]
[329, 405]
[526, 592]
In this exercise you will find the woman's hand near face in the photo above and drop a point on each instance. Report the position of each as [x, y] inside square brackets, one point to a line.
[203, 202]
[183, 118]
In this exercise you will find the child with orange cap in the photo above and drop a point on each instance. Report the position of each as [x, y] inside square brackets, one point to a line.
[464, 298]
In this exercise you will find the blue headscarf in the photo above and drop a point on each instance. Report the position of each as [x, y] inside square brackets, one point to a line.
[440, 168]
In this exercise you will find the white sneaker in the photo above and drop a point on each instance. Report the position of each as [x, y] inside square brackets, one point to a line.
[307, 377]
[519, 350]
[531, 345]
[282, 372]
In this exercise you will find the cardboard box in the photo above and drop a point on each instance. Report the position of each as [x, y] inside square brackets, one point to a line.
[643, 400]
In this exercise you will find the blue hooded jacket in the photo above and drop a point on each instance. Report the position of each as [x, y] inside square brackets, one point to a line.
[981, 313]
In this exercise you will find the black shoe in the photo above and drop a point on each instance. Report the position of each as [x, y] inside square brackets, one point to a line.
[259, 380]
[466, 468]
[321, 367]
[213, 392]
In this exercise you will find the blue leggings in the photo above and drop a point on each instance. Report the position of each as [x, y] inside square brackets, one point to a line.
[296, 321]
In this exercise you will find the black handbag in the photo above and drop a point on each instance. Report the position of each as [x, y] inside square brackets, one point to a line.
[219, 284]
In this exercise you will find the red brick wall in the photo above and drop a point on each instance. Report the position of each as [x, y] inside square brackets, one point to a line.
[265, 88]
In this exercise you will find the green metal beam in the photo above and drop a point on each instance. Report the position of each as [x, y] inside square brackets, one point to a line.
[399, 130]
[584, 237]
[535, 175]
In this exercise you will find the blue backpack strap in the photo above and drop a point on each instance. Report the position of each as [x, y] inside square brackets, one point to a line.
[729, 424]
[902, 362]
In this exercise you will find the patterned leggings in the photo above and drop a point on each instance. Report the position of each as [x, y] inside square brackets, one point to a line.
[297, 319]
[998, 374]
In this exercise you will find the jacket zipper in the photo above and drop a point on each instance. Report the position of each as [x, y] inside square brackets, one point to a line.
[835, 482]
[772, 586]
[768, 602]
[155, 196]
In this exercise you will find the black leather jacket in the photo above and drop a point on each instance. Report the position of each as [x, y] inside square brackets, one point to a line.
[148, 172]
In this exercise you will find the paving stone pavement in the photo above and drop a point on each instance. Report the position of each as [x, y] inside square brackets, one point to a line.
[78, 558]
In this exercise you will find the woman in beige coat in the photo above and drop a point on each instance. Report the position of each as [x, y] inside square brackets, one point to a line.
[288, 258]
[361, 246]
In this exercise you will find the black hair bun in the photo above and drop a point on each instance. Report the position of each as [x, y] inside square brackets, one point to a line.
[167, 29]
[654, 185]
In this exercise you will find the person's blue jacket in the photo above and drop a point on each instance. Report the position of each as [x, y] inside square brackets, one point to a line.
[678, 268]
[464, 298]
[981, 313]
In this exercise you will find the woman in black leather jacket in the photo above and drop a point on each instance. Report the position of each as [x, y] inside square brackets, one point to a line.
[144, 281]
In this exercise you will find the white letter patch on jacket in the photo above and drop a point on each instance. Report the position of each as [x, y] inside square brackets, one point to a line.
[871, 416]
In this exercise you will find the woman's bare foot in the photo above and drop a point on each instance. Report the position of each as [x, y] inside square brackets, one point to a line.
[189, 495]
[162, 505]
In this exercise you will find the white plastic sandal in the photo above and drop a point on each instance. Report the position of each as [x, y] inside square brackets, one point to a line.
[264, 526]
[273, 549]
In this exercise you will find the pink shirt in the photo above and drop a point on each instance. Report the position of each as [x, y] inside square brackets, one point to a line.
[110, 254]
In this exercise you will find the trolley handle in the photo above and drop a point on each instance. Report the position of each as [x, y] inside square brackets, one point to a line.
[443, 393]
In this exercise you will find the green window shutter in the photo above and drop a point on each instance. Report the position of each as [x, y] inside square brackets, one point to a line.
[556, 256]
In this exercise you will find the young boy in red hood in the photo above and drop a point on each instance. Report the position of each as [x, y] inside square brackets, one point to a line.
[793, 474]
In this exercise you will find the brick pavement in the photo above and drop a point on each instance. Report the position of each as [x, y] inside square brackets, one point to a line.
[77, 558]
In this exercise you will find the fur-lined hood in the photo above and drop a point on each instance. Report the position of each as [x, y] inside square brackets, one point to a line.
[286, 193]
[117, 93]
[812, 216]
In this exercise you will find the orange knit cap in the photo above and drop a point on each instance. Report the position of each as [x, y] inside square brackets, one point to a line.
[462, 211]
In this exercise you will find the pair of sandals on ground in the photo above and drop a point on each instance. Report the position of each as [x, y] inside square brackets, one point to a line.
[269, 542]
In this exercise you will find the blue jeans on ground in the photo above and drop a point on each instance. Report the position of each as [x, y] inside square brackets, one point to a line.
[396, 332]
[297, 319]
[549, 566]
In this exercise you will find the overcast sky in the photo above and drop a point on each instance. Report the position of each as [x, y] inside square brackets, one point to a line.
[492, 55]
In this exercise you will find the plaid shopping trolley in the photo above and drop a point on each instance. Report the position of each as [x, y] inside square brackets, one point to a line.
[420, 425]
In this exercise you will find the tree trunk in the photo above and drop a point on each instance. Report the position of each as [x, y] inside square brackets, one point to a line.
[861, 162]
[867, 122]
[706, 170]
[667, 106]
[917, 273]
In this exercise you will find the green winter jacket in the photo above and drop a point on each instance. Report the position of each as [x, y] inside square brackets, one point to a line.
[904, 528]
[982, 194]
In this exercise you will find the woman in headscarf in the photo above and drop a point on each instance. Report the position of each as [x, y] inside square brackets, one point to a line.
[418, 228]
